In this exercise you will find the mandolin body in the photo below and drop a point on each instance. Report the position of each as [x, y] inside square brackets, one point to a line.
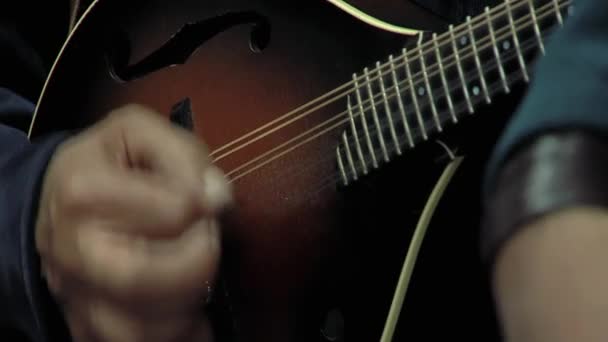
[298, 244]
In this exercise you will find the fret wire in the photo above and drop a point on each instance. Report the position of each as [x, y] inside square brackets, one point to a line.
[370, 94]
[465, 88]
[482, 78]
[356, 135]
[406, 123]
[520, 57]
[495, 86]
[519, 4]
[501, 69]
[490, 66]
[413, 95]
[349, 157]
[505, 34]
[558, 12]
[444, 81]
[428, 87]
[396, 82]
[363, 119]
[452, 35]
[514, 76]
[387, 110]
[297, 113]
[341, 166]
[539, 38]
[458, 64]
[478, 21]
[508, 28]
[234, 177]
[528, 45]
[497, 9]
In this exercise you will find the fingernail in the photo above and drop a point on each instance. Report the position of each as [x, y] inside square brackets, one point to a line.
[216, 189]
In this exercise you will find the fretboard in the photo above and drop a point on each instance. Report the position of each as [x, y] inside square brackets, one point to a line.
[413, 96]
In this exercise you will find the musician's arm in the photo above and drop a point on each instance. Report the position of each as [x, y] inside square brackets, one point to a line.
[25, 305]
[546, 193]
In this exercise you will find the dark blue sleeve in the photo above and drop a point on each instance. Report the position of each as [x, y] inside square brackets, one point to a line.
[25, 304]
[570, 91]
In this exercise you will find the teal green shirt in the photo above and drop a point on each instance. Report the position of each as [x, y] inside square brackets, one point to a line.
[570, 88]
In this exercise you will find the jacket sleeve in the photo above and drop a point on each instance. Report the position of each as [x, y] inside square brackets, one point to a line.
[25, 304]
[569, 94]
[570, 90]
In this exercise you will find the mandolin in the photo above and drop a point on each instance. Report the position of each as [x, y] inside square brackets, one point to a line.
[333, 132]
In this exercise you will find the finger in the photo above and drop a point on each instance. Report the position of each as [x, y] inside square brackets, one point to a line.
[139, 203]
[174, 272]
[99, 319]
[124, 209]
[151, 202]
[154, 144]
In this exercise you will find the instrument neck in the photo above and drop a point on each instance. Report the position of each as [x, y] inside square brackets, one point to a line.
[442, 79]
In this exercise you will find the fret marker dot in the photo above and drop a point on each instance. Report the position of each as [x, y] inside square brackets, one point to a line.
[476, 90]
[421, 91]
[463, 40]
[506, 45]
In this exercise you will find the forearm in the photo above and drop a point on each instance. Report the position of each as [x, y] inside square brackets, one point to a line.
[550, 280]
[553, 143]
[545, 227]
[569, 90]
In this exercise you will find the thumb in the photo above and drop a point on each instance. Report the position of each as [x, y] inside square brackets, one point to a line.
[151, 143]
[142, 203]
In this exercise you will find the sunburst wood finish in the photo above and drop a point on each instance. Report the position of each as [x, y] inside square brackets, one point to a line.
[282, 240]
[297, 244]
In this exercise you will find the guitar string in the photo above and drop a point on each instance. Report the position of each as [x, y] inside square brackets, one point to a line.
[281, 153]
[457, 30]
[337, 124]
[330, 180]
[335, 177]
[477, 22]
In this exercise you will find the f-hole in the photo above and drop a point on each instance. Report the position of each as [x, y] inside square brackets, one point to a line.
[182, 44]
